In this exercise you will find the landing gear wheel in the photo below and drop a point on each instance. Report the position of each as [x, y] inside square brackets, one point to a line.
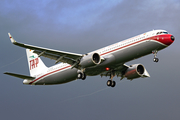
[113, 84]
[79, 75]
[155, 59]
[109, 83]
[84, 76]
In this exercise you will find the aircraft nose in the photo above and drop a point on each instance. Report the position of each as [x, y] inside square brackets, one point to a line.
[172, 38]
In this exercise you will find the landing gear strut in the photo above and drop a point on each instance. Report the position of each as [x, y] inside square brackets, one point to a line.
[155, 59]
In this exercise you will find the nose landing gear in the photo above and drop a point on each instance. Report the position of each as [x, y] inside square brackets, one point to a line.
[155, 59]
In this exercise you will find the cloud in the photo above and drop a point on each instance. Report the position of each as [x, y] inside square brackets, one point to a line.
[83, 26]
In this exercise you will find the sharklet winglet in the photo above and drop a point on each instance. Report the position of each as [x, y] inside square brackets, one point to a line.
[11, 38]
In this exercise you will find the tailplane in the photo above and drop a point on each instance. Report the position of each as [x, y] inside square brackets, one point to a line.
[20, 76]
[36, 65]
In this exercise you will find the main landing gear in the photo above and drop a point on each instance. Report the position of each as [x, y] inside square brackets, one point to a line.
[155, 59]
[111, 83]
[81, 75]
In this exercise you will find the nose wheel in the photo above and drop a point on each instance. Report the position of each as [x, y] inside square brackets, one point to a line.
[155, 59]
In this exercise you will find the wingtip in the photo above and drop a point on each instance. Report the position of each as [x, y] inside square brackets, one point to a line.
[5, 73]
[11, 38]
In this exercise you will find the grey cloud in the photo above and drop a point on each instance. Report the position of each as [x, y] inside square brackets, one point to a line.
[85, 26]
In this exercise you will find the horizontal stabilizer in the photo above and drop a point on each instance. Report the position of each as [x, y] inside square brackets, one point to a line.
[20, 76]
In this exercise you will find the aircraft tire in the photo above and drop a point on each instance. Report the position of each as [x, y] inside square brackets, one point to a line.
[84, 76]
[155, 59]
[79, 75]
[109, 83]
[113, 84]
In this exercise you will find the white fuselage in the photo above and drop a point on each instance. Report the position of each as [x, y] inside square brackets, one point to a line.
[114, 55]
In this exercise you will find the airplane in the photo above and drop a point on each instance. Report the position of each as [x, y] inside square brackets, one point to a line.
[108, 61]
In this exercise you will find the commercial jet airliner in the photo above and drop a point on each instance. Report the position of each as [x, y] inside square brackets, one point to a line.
[108, 61]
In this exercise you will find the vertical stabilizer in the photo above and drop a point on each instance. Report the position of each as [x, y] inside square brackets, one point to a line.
[36, 65]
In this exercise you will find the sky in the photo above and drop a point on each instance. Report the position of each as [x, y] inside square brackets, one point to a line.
[80, 27]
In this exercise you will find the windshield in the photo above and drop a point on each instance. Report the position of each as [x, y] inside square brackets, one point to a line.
[162, 33]
[165, 32]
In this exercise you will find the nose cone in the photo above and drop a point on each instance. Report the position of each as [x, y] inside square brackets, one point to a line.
[172, 38]
[166, 39]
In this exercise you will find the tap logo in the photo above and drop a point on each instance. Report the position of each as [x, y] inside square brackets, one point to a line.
[34, 62]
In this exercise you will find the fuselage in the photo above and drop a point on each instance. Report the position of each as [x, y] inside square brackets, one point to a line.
[114, 55]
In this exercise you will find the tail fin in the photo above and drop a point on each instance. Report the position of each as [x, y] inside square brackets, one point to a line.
[36, 65]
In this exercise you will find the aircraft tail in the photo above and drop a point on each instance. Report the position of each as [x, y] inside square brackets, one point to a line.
[36, 65]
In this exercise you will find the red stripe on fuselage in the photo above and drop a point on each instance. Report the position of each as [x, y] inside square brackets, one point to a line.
[121, 47]
[164, 39]
[49, 74]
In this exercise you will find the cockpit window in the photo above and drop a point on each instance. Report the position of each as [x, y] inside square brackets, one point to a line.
[162, 33]
[165, 32]
[158, 33]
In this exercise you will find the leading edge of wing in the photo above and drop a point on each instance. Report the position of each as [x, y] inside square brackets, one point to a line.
[41, 49]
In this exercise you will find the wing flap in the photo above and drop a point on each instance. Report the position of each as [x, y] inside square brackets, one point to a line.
[20, 76]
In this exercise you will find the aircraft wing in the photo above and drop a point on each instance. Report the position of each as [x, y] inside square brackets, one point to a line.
[59, 56]
[119, 71]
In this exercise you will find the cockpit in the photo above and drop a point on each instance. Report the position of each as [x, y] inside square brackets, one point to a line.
[160, 32]
[163, 32]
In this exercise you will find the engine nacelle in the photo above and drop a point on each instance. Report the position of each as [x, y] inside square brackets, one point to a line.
[90, 60]
[136, 71]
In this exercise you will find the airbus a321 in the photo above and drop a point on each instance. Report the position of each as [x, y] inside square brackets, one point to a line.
[108, 61]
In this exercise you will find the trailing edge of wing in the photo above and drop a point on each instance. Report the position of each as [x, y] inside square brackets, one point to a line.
[49, 53]
[20, 76]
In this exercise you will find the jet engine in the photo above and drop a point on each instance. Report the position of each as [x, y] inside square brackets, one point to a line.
[136, 71]
[90, 60]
